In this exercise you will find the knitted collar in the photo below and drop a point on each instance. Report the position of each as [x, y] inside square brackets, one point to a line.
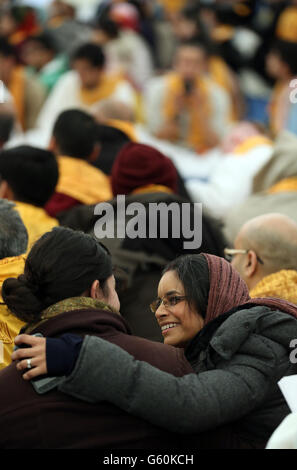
[68, 305]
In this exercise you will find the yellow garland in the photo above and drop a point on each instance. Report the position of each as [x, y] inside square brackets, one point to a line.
[80, 180]
[284, 186]
[104, 90]
[152, 188]
[280, 285]
[174, 89]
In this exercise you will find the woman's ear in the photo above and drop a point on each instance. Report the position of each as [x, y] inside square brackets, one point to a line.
[96, 292]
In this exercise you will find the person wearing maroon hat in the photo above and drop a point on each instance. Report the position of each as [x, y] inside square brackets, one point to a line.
[141, 169]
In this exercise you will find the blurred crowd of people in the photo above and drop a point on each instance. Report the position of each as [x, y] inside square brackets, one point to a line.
[170, 103]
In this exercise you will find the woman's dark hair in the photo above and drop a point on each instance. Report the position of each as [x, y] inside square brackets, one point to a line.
[61, 264]
[193, 272]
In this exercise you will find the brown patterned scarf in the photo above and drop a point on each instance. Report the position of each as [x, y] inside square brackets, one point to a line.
[228, 290]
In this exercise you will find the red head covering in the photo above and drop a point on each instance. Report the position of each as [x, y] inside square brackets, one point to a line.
[139, 165]
[126, 16]
[228, 290]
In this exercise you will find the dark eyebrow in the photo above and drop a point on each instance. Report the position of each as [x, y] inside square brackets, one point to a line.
[172, 292]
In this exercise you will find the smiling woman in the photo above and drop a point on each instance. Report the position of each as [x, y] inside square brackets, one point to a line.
[181, 307]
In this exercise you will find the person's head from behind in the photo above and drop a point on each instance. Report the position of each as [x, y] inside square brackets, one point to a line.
[193, 291]
[281, 60]
[28, 174]
[74, 135]
[7, 122]
[240, 133]
[89, 61]
[139, 166]
[13, 233]
[8, 60]
[39, 50]
[191, 60]
[264, 245]
[62, 264]
[111, 109]
[104, 31]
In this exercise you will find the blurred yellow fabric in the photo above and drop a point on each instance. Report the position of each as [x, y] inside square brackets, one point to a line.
[9, 324]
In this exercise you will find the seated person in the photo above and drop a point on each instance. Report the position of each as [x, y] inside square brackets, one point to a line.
[13, 245]
[186, 106]
[264, 254]
[126, 51]
[237, 346]
[41, 55]
[84, 86]
[68, 287]
[243, 151]
[187, 25]
[28, 176]
[74, 142]
[28, 94]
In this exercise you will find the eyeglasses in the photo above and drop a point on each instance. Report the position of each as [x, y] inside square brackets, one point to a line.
[230, 252]
[170, 301]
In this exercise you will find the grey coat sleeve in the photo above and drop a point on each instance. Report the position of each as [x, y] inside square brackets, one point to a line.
[193, 403]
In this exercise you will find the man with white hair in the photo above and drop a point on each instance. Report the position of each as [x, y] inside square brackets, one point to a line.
[265, 255]
[13, 244]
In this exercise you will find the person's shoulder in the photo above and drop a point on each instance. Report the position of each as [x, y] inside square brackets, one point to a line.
[260, 316]
[258, 322]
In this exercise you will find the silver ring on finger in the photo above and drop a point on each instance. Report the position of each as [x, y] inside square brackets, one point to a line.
[29, 365]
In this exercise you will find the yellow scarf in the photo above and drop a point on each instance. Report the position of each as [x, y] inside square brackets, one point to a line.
[287, 25]
[284, 186]
[251, 143]
[124, 126]
[220, 74]
[104, 90]
[68, 305]
[280, 285]
[36, 220]
[9, 324]
[152, 188]
[175, 88]
[82, 181]
[17, 89]
[173, 6]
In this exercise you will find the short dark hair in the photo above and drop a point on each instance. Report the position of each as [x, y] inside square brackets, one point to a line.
[6, 49]
[32, 173]
[91, 53]
[75, 133]
[193, 272]
[109, 27]
[45, 40]
[111, 141]
[62, 264]
[7, 121]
